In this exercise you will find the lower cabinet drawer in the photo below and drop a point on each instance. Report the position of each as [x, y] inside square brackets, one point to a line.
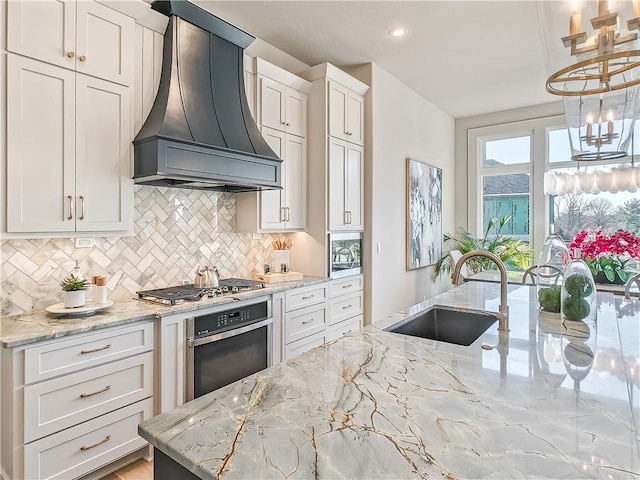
[350, 325]
[305, 322]
[304, 344]
[346, 307]
[62, 402]
[306, 296]
[88, 446]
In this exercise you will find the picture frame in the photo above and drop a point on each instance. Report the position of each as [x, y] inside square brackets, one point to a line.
[423, 214]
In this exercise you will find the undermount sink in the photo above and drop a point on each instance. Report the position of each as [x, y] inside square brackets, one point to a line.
[447, 325]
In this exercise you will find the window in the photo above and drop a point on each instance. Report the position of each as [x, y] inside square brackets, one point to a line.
[507, 163]
[506, 175]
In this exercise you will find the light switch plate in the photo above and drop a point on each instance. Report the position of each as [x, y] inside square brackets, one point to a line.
[85, 242]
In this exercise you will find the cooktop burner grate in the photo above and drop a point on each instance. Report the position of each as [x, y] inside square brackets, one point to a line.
[181, 293]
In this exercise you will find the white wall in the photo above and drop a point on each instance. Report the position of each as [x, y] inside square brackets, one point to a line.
[400, 124]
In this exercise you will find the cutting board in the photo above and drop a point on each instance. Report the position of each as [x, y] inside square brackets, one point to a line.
[278, 277]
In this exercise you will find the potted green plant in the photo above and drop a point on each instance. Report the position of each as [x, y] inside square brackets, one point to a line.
[513, 252]
[74, 291]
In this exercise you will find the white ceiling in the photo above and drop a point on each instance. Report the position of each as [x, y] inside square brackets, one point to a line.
[466, 57]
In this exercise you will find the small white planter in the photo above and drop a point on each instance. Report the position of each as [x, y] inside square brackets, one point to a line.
[74, 298]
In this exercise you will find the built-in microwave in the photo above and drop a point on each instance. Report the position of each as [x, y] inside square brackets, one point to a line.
[345, 254]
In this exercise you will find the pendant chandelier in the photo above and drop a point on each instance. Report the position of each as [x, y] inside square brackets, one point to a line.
[625, 178]
[601, 88]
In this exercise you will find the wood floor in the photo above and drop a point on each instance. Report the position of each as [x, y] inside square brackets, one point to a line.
[138, 470]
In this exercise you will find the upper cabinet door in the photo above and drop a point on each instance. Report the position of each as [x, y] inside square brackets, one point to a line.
[272, 209]
[355, 118]
[84, 35]
[338, 154]
[354, 187]
[103, 143]
[295, 184]
[272, 104]
[104, 43]
[40, 146]
[338, 104]
[45, 30]
[296, 112]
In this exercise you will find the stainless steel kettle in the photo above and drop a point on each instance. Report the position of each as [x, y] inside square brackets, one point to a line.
[206, 278]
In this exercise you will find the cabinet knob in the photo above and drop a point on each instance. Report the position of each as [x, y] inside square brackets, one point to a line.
[283, 122]
[83, 58]
[288, 124]
[71, 54]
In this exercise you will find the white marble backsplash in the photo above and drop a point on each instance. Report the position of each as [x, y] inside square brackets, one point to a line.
[175, 230]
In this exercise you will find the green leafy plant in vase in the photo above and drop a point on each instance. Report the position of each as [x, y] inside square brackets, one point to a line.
[514, 253]
[74, 291]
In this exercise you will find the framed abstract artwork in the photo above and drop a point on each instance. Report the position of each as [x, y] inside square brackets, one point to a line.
[424, 214]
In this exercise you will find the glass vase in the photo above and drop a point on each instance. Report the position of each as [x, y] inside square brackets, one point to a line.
[552, 261]
[578, 294]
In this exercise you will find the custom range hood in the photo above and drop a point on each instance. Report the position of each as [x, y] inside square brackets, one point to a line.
[200, 133]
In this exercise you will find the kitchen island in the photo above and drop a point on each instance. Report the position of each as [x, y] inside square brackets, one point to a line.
[547, 400]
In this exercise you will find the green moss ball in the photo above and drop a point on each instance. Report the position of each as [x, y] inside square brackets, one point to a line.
[575, 308]
[578, 286]
[549, 298]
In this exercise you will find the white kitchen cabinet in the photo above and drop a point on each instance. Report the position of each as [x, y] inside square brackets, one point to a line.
[68, 145]
[282, 108]
[345, 185]
[306, 319]
[171, 357]
[83, 36]
[346, 305]
[73, 404]
[335, 169]
[346, 113]
[282, 117]
[286, 209]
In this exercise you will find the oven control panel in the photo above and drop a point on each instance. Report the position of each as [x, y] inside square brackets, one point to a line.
[229, 319]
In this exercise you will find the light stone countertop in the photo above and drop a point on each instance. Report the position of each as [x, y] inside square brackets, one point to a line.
[38, 326]
[376, 404]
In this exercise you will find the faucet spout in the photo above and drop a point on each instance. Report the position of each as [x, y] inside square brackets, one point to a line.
[503, 310]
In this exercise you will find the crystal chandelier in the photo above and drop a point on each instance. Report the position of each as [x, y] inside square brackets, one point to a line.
[601, 88]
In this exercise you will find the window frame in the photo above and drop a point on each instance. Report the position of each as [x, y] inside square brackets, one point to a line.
[537, 130]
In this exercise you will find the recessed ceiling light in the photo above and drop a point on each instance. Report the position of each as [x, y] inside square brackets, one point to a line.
[399, 31]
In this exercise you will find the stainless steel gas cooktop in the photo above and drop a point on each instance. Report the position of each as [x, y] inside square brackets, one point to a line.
[185, 293]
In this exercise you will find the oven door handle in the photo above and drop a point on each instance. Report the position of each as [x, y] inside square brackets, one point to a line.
[195, 342]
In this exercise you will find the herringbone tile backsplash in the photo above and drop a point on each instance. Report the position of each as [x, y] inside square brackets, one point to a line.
[175, 231]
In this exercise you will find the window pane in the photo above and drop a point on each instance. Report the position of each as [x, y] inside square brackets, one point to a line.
[507, 195]
[559, 147]
[507, 151]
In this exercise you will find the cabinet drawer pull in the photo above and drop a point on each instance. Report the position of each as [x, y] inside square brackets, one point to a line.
[89, 447]
[347, 306]
[81, 217]
[347, 286]
[283, 216]
[308, 297]
[71, 54]
[85, 395]
[306, 321]
[70, 198]
[84, 352]
[288, 214]
[83, 58]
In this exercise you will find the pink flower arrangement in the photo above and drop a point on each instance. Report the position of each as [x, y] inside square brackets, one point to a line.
[609, 254]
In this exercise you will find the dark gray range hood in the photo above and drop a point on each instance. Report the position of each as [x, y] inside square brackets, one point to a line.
[200, 133]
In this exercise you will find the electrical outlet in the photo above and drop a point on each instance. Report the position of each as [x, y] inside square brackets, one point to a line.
[186, 281]
[379, 247]
[85, 242]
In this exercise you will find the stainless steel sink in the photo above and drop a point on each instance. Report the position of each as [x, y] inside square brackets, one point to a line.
[447, 325]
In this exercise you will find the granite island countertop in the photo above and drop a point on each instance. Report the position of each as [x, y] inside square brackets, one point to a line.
[18, 330]
[546, 400]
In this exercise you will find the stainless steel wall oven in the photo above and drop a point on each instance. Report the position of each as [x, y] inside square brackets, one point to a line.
[228, 345]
